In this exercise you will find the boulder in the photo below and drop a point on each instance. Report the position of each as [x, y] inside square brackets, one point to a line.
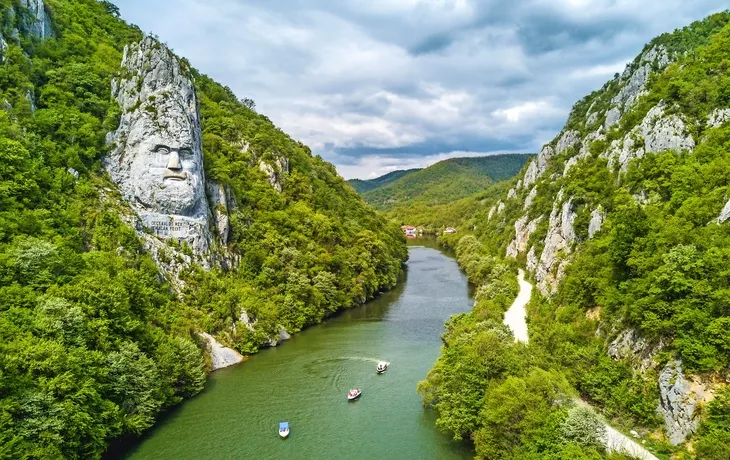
[220, 356]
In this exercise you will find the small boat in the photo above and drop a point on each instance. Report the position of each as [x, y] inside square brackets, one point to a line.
[284, 429]
[354, 394]
[382, 367]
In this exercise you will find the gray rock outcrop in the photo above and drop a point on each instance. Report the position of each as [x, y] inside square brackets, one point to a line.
[718, 117]
[634, 80]
[39, 25]
[532, 260]
[560, 237]
[597, 217]
[275, 172]
[566, 141]
[724, 214]
[613, 116]
[632, 346]
[538, 166]
[523, 230]
[530, 198]
[492, 211]
[679, 398]
[220, 356]
[664, 132]
[511, 194]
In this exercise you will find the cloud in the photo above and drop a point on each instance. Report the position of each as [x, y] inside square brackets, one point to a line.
[394, 83]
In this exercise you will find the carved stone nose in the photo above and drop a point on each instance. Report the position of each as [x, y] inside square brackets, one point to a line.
[173, 162]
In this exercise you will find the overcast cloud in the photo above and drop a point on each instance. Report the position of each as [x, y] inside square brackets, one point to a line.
[379, 85]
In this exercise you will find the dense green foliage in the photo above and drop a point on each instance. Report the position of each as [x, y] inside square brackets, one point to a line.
[362, 186]
[93, 344]
[658, 266]
[446, 181]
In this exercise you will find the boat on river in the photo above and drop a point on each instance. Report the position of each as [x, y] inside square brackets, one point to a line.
[353, 394]
[284, 429]
[382, 367]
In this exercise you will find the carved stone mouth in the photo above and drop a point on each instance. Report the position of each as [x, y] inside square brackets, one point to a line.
[174, 175]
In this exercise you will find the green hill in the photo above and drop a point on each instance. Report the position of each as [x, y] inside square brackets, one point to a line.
[446, 180]
[623, 225]
[361, 186]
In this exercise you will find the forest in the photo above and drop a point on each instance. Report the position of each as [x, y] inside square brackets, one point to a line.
[94, 343]
[443, 182]
[658, 266]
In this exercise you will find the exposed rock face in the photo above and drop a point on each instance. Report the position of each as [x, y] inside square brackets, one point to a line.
[530, 198]
[665, 132]
[560, 237]
[718, 117]
[220, 356]
[567, 140]
[597, 217]
[591, 119]
[492, 211]
[538, 166]
[660, 132]
[523, 230]
[218, 198]
[157, 155]
[678, 402]
[500, 207]
[613, 116]
[3, 49]
[40, 24]
[634, 80]
[630, 345]
[275, 172]
[532, 259]
[511, 194]
[585, 150]
[281, 337]
[724, 214]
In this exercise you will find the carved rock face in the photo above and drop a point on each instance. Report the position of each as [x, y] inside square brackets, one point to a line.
[158, 160]
[157, 155]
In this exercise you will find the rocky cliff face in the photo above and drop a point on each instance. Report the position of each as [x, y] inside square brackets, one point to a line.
[602, 135]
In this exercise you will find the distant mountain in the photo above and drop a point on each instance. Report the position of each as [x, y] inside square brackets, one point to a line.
[444, 182]
[362, 186]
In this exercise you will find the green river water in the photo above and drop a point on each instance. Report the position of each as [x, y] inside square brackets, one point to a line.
[305, 381]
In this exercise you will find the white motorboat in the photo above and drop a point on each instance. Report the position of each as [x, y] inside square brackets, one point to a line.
[382, 367]
[284, 429]
[353, 394]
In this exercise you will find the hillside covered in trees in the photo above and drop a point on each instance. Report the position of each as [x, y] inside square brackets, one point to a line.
[362, 186]
[443, 182]
[623, 224]
[94, 340]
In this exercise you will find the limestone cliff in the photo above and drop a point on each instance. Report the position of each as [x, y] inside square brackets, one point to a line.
[608, 133]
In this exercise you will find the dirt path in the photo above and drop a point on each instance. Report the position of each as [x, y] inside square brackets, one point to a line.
[516, 315]
[515, 319]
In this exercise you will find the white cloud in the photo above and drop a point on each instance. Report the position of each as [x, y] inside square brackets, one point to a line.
[412, 74]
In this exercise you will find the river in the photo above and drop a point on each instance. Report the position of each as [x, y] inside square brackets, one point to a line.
[305, 381]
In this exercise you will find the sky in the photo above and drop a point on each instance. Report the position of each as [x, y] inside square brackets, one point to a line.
[378, 85]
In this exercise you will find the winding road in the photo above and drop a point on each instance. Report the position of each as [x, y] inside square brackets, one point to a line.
[516, 319]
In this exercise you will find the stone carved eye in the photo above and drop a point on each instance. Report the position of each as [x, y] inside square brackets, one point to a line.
[185, 153]
[162, 150]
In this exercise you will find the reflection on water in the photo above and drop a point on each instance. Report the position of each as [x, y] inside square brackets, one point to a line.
[305, 382]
